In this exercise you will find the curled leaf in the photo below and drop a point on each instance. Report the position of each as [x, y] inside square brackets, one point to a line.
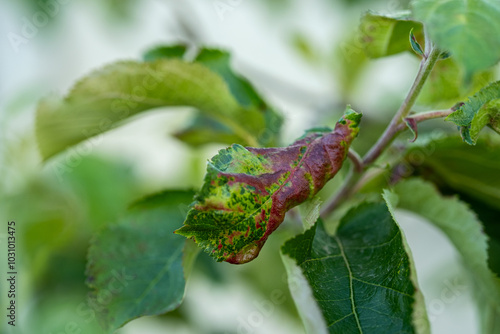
[247, 191]
[477, 112]
[411, 123]
[415, 45]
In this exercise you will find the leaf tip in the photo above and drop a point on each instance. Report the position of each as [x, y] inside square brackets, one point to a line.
[415, 45]
[350, 116]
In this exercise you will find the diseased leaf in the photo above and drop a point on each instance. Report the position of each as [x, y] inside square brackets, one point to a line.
[468, 29]
[451, 164]
[480, 110]
[444, 86]
[465, 231]
[247, 191]
[135, 268]
[104, 99]
[383, 35]
[361, 278]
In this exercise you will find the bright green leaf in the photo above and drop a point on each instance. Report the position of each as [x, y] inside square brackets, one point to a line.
[448, 162]
[465, 231]
[135, 268]
[469, 29]
[383, 35]
[247, 191]
[472, 117]
[104, 99]
[361, 278]
[444, 87]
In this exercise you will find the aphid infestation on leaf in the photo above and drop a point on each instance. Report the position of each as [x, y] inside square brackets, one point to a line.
[356, 268]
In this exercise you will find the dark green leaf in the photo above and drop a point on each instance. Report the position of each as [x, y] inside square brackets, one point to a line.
[104, 99]
[465, 231]
[468, 29]
[479, 110]
[167, 52]
[247, 191]
[448, 162]
[135, 268]
[383, 35]
[361, 278]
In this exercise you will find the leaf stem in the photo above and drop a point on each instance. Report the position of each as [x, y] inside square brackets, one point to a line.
[396, 125]
[392, 129]
[356, 160]
[425, 115]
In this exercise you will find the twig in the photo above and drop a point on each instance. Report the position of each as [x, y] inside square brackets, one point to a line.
[356, 160]
[393, 129]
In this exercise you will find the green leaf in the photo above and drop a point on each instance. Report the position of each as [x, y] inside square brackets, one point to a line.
[135, 268]
[383, 35]
[349, 62]
[468, 29]
[203, 130]
[415, 45]
[361, 278]
[167, 52]
[488, 115]
[303, 294]
[467, 169]
[247, 191]
[444, 86]
[246, 95]
[309, 211]
[479, 110]
[119, 91]
[465, 231]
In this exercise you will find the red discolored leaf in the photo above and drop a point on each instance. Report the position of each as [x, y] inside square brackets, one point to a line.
[247, 191]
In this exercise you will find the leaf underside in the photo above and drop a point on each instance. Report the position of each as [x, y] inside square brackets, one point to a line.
[247, 191]
[465, 231]
[470, 170]
[361, 276]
